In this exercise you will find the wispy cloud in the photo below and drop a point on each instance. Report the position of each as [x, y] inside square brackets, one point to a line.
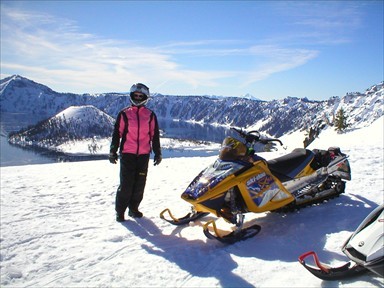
[322, 21]
[278, 60]
[45, 47]
[55, 50]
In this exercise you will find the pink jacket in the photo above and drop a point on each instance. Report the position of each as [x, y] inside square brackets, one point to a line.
[138, 130]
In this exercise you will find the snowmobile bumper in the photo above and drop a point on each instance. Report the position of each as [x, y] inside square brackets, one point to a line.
[325, 272]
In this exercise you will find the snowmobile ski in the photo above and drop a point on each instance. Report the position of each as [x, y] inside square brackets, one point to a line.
[237, 235]
[326, 272]
[191, 216]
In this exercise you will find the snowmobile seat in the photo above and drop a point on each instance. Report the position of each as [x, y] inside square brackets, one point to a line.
[290, 165]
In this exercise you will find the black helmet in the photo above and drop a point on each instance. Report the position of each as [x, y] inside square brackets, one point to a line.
[139, 88]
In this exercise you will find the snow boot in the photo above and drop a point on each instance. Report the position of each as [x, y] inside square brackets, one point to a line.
[120, 217]
[135, 213]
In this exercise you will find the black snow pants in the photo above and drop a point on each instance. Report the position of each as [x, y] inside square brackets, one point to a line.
[133, 176]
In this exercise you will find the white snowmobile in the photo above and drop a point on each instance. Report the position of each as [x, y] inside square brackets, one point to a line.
[364, 248]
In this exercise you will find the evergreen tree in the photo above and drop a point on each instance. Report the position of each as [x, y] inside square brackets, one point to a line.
[341, 120]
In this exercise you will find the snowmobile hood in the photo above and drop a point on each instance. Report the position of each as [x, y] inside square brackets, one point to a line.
[366, 245]
[212, 176]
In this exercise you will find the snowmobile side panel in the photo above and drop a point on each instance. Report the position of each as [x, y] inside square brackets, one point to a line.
[307, 170]
[340, 167]
[260, 189]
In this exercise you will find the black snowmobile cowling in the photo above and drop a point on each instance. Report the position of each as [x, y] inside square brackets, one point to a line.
[364, 248]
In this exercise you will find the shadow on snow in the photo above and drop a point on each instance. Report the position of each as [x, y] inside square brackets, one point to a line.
[284, 237]
[198, 258]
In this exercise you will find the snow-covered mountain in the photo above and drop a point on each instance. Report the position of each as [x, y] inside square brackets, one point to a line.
[276, 118]
[74, 123]
[21, 95]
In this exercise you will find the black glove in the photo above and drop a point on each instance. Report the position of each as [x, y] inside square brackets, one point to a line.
[157, 159]
[113, 157]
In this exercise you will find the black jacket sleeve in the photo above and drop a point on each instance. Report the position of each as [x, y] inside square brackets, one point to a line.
[116, 135]
[156, 138]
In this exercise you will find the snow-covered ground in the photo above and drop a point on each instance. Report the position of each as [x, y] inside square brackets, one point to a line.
[170, 147]
[58, 226]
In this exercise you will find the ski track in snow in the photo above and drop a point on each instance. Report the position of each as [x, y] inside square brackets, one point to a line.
[58, 228]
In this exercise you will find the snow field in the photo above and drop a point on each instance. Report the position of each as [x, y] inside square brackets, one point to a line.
[58, 227]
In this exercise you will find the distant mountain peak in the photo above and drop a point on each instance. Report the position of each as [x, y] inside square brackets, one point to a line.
[17, 77]
[251, 97]
[17, 81]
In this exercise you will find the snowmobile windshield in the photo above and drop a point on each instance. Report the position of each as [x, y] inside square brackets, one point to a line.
[212, 176]
[232, 149]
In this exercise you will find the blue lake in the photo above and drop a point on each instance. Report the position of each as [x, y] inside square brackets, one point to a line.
[12, 155]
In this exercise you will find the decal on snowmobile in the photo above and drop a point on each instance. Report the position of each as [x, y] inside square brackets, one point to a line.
[267, 196]
[262, 188]
[259, 182]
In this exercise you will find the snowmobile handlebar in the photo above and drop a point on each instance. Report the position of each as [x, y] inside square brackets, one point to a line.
[254, 136]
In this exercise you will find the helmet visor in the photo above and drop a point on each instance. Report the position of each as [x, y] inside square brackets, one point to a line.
[138, 96]
[140, 88]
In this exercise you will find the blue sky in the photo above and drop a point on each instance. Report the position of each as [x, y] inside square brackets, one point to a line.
[269, 49]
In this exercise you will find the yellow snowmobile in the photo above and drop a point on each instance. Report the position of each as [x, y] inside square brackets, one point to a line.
[240, 181]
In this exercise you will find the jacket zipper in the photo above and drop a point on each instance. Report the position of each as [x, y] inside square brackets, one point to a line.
[138, 130]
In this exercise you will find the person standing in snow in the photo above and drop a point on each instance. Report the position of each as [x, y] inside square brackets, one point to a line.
[136, 133]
